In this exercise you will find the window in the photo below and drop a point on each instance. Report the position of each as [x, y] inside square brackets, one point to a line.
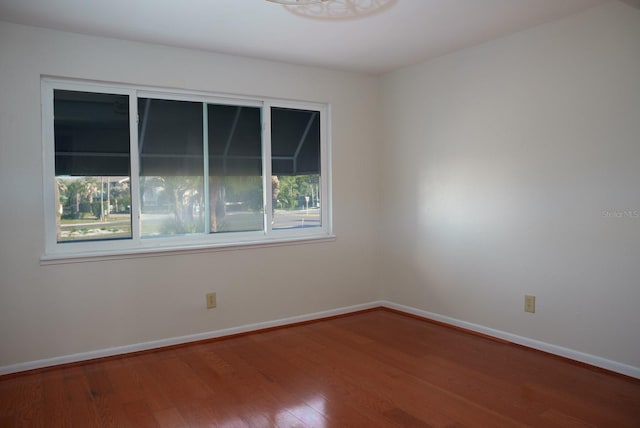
[132, 169]
[92, 166]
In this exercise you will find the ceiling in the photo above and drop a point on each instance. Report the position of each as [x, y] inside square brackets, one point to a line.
[404, 33]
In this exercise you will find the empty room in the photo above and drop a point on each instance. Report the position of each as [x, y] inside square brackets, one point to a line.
[319, 213]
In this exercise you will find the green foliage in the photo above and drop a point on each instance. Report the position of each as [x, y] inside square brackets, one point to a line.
[79, 197]
[246, 190]
[292, 190]
[95, 209]
[181, 195]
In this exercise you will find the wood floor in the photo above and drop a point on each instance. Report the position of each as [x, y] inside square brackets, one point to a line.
[372, 369]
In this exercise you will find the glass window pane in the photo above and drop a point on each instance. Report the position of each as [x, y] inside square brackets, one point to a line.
[295, 151]
[92, 162]
[170, 142]
[235, 168]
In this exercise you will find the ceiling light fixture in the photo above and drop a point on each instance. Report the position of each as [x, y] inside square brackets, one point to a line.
[336, 10]
[297, 2]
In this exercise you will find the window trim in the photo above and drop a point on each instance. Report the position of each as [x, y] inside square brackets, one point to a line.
[137, 246]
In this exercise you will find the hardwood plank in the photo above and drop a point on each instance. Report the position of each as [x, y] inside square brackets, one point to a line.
[54, 399]
[256, 389]
[420, 398]
[373, 369]
[79, 399]
[178, 381]
[479, 378]
[111, 412]
[321, 369]
[402, 418]
[217, 410]
[139, 414]
[170, 418]
[29, 411]
[340, 386]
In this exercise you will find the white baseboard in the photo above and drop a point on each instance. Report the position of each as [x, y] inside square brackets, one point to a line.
[144, 346]
[593, 360]
[571, 354]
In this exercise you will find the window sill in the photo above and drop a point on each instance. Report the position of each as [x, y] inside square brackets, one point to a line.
[55, 259]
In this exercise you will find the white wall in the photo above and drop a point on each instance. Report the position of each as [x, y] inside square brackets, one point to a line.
[50, 311]
[501, 161]
[491, 181]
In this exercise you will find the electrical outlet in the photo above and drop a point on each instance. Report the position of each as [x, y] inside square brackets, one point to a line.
[211, 300]
[530, 304]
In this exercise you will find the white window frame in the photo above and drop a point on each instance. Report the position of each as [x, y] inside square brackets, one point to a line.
[56, 252]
